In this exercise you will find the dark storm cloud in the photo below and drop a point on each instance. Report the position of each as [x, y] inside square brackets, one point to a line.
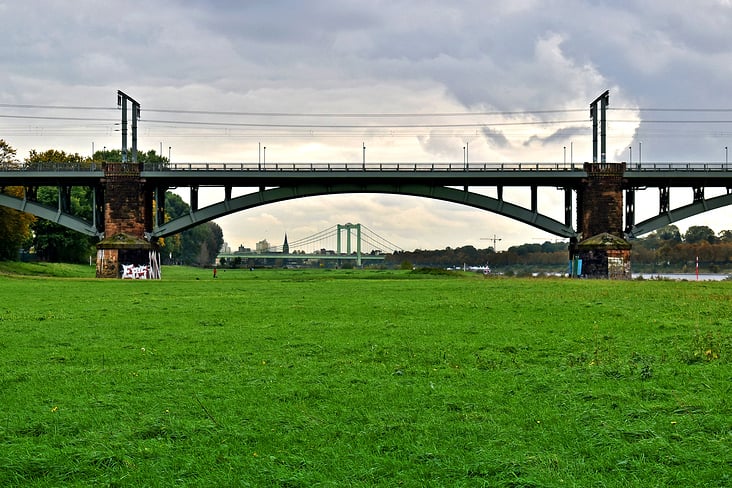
[495, 137]
[561, 136]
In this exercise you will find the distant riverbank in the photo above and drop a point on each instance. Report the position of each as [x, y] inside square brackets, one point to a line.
[681, 276]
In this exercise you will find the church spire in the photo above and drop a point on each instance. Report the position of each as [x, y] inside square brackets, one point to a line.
[285, 246]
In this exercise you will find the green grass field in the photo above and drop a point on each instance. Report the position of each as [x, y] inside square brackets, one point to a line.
[352, 378]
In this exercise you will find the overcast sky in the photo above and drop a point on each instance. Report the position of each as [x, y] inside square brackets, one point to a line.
[309, 61]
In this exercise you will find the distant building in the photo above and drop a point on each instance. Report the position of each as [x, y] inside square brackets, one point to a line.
[225, 249]
[285, 246]
[262, 246]
[243, 249]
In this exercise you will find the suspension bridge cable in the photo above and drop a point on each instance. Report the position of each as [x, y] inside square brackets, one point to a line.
[393, 246]
[375, 246]
[308, 239]
[368, 236]
[320, 235]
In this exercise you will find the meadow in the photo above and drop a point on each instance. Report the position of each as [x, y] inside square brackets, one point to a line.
[362, 378]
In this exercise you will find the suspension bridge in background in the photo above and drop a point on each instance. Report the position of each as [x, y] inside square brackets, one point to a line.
[342, 243]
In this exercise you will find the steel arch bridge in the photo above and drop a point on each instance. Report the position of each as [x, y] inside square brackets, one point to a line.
[284, 193]
[440, 181]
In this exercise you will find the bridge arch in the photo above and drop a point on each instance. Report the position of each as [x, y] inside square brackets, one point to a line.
[680, 213]
[48, 213]
[283, 193]
[438, 192]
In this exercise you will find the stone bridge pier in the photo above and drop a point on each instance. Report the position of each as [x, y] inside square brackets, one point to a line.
[126, 252]
[601, 250]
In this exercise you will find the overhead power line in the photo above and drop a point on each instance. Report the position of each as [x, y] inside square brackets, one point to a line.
[365, 114]
[394, 124]
[368, 114]
[54, 107]
[361, 126]
[49, 117]
[304, 114]
[365, 126]
[652, 109]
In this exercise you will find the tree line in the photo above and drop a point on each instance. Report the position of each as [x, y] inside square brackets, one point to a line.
[547, 254]
[47, 241]
[664, 250]
[669, 249]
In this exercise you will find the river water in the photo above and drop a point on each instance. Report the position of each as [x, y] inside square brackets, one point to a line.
[681, 276]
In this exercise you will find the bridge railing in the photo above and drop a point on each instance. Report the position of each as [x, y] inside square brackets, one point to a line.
[369, 167]
[360, 167]
[695, 166]
[51, 167]
[407, 167]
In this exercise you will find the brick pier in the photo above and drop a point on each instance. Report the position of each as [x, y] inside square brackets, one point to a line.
[602, 251]
[125, 252]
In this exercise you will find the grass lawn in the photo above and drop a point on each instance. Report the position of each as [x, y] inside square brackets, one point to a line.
[362, 378]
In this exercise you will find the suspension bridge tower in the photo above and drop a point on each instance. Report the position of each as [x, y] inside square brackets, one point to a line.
[348, 228]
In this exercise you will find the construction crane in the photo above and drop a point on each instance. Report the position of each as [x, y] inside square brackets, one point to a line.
[494, 239]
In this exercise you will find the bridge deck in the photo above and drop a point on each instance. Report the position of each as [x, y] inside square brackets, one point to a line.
[275, 182]
[457, 174]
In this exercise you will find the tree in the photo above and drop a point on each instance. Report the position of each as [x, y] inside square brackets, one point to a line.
[8, 156]
[699, 233]
[669, 233]
[115, 155]
[199, 245]
[15, 227]
[725, 235]
[54, 242]
[215, 240]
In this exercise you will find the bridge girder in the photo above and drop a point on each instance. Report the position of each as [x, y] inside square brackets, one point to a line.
[53, 214]
[634, 179]
[279, 194]
[680, 213]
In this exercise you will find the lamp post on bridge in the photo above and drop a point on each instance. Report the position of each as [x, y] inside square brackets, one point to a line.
[571, 153]
[640, 153]
[726, 157]
[630, 155]
[363, 162]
